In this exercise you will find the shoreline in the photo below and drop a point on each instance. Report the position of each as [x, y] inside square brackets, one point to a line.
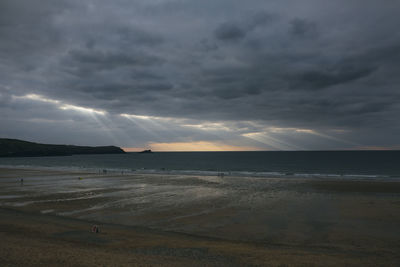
[231, 174]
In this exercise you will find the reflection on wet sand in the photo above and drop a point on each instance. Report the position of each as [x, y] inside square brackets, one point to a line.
[272, 210]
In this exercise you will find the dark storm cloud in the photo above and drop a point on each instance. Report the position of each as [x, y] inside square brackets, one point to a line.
[307, 64]
[303, 28]
[101, 59]
[236, 30]
[131, 35]
[314, 80]
[229, 31]
[27, 28]
[85, 62]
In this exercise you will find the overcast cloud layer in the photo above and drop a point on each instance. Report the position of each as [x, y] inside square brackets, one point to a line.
[226, 74]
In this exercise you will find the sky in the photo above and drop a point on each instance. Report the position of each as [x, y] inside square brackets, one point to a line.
[178, 75]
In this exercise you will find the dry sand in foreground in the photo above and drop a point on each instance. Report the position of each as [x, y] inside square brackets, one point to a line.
[29, 239]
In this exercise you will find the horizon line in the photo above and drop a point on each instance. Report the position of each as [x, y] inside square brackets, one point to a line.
[224, 151]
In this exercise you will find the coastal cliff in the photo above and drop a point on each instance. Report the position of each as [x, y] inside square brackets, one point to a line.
[19, 148]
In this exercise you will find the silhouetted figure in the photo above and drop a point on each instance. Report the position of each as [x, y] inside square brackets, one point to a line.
[95, 229]
[22, 181]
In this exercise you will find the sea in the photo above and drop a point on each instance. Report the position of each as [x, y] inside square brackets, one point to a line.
[318, 164]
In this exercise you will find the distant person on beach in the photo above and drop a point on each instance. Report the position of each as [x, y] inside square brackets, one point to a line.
[95, 229]
[22, 181]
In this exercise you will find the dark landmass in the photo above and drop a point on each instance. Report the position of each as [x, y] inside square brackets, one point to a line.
[146, 151]
[19, 148]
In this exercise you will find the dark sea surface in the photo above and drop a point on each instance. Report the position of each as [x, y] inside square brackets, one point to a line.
[362, 164]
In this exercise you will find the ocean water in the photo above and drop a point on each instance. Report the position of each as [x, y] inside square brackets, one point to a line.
[341, 164]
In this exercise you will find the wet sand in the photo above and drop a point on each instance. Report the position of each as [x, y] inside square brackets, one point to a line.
[274, 222]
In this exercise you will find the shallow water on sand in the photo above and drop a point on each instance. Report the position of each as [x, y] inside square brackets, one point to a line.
[274, 210]
[344, 164]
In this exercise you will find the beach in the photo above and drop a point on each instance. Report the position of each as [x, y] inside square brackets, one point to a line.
[177, 220]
